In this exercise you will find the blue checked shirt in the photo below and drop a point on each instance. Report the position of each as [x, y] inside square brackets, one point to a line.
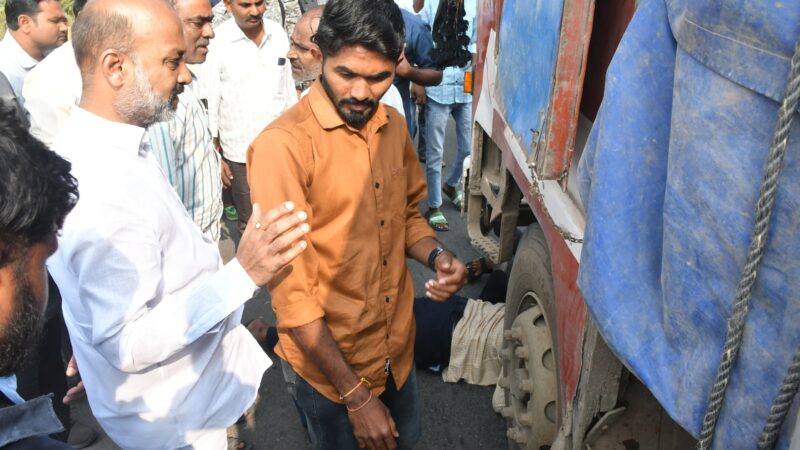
[185, 150]
[451, 89]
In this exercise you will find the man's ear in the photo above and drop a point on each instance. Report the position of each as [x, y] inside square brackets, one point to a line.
[115, 66]
[227, 5]
[25, 23]
[402, 55]
[6, 292]
[316, 53]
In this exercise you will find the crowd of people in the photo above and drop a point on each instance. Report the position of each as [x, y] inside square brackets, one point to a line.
[123, 148]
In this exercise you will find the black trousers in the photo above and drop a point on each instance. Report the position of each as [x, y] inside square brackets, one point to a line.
[44, 369]
[240, 193]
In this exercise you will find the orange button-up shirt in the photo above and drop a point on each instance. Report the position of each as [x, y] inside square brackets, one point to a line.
[361, 190]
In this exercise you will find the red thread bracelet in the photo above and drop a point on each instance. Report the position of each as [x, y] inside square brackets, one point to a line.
[362, 405]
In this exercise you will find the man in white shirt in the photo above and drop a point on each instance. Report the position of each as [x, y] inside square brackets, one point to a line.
[34, 27]
[153, 315]
[248, 85]
[52, 88]
[50, 91]
[306, 58]
[183, 145]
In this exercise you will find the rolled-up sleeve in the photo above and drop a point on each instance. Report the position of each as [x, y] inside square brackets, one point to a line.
[280, 169]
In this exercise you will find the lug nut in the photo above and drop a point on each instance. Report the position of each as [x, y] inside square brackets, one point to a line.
[517, 435]
[512, 334]
[527, 386]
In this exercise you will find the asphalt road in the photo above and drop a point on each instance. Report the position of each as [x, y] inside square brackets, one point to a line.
[453, 415]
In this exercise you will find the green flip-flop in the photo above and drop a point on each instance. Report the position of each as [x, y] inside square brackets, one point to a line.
[457, 197]
[231, 215]
[438, 222]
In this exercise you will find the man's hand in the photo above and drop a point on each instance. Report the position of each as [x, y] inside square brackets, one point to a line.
[418, 94]
[373, 425]
[451, 276]
[271, 241]
[227, 175]
[78, 391]
[404, 68]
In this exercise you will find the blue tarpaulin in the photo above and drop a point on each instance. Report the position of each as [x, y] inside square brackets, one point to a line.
[669, 178]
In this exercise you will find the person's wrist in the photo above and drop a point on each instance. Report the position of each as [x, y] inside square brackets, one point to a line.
[435, 254]
[357, 398]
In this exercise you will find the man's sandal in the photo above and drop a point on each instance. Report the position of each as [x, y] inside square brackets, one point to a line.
[438, 222]
[476, 268]
[457, 197]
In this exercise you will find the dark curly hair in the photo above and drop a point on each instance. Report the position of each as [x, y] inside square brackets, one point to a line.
[36, 188]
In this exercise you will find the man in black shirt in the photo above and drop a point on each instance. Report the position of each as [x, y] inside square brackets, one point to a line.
[38, 192]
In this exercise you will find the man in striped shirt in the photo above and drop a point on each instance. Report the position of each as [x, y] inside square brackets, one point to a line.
[183, 145]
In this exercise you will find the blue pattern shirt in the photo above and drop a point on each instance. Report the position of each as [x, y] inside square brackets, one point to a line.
[185, 150]
[451, 89]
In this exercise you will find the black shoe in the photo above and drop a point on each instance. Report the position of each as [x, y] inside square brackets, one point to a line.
[81, 436]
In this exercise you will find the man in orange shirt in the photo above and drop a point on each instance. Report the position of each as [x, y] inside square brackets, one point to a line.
[345, 309]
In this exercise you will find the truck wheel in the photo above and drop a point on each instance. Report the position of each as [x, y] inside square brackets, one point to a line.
[530, 367]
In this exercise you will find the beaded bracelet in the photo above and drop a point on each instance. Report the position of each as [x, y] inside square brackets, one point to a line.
[362, 405]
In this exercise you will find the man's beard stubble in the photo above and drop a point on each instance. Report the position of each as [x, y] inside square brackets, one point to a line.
[24, 328]
[141, 105]
[355, 119]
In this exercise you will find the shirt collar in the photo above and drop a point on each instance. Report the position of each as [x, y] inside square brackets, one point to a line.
[328, 117]
[120, 136]
[25, 60]
[8, 386]
[237, 34]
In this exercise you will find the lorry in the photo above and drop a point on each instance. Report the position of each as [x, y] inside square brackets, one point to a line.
[538, 82]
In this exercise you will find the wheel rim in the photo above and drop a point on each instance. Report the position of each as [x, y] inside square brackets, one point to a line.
[530, 381]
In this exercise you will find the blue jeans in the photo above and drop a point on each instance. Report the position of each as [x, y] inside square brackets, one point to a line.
[436, 115]
[327, 424]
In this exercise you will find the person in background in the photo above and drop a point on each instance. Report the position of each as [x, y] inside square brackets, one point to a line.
[345, 311]
[153, 315]
[284, 12]
[183, 146]
[445, 100]
[10, 100]
[49, 92]
[248, 84]
[52, 88]
[414, 73]
[29, 225]
[306, 58]
[33, 28]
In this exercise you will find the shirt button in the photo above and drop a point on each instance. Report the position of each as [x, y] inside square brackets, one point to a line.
[377, 185]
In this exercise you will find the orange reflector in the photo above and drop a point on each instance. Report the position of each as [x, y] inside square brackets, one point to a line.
[468, 82]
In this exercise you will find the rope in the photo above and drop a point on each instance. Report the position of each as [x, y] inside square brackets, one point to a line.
[780, 408]
[766, 201]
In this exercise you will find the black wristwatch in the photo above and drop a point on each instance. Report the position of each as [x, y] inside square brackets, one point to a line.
[432, 257]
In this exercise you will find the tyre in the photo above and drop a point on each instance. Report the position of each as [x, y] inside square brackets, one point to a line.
[530, 359]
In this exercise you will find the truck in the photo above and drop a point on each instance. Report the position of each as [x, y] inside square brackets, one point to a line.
[538, 82]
